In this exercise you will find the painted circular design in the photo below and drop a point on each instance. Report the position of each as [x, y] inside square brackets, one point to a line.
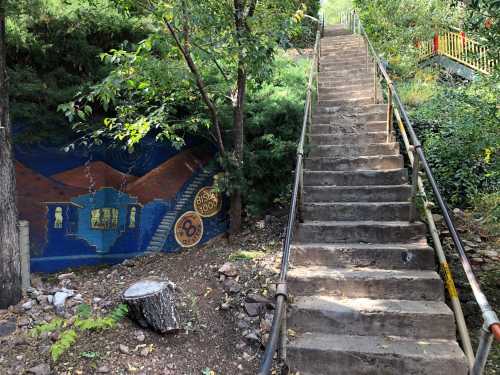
[189, 229]
[207, 202]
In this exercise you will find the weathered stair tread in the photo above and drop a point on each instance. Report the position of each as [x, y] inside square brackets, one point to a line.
[367, 317]
[366, 231]
[379, 162]
[346, 211]
[323, 354]
[360, 282]
[355, 178]
[360, 273]
[374, 193]
[415, 255]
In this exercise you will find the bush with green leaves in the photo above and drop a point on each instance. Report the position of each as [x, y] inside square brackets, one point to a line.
[460, 131]
[53, 49]
[396, 26]
[274, 121]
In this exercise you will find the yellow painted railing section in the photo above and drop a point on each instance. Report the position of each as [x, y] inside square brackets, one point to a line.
[460, 48]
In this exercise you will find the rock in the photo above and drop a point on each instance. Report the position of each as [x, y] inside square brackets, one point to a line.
[65, 276]
[252, 337]
[488, 253]
[469, 243]
[144, 352]
[96, 300]
[124, 349]
[50, 299]
[139, 336]
[260, 224]
[477, 260]
[265, 325]
[54, 336]
[231, 286]
[60, 300]
[20, 341]
[225, 306]
[268, 220]
[27, 305]
[32, 292]
[438, 219]
[7, 327]
[23, 322]
[254, 309]
[41, 369]
[229, 269]
[243, 324]
[458, 212]
[103, 370]
[78, 298]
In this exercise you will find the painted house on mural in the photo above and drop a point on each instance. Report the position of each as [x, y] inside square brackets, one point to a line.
[103, 206]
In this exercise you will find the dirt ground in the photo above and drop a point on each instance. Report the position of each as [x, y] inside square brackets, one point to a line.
[483, 250]
[218, 336]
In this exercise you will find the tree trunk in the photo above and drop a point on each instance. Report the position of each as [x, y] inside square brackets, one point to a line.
[238, 114]
[238, 139]
[10, 265]
[152, 304]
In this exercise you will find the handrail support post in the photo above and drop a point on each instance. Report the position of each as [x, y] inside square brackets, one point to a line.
[390, 111]
[414, 185]
[483, 350]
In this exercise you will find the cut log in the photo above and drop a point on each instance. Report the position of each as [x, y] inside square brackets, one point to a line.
[152, 304]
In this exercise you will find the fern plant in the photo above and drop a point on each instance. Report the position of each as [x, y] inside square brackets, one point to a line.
[84, 322]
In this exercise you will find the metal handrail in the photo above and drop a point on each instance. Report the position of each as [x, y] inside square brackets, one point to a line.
[491, 326]
[278, 329]
[461, 48]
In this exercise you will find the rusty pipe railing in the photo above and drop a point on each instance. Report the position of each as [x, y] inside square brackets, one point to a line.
[278, 329]
[491, 327]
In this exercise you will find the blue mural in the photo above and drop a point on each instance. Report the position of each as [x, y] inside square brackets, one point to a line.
[102, 206]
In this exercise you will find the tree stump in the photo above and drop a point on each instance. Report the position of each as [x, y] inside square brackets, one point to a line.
[152, 304]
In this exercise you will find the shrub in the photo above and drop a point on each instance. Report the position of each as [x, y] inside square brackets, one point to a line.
[461, 136]
[274, 121]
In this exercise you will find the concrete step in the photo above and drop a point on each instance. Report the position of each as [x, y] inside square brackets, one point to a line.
[366, 283]
[331, 33]
[358, 61]
[346, 75]
[358, 178]
[351, 211]
[387, 193]
[398, 256]
[368, 99]
[346, 67]
[357, 110]
[346, 88]
[350, 128]
[367, 138]
[336, 94]
[324, 354]
[346, 51]
[326, 115]
[370, 317]
[359, 231]
[331, 82]
[356, 163]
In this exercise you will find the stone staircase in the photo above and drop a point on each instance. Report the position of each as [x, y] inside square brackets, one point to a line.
[366, 295]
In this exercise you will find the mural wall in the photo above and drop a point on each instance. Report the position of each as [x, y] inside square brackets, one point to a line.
[88, 207]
